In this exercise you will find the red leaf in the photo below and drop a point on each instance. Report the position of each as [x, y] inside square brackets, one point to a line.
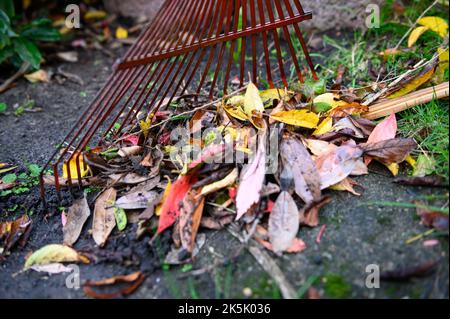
[171, 207]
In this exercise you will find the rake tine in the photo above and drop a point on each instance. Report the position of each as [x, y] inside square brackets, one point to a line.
[277, 44]
[244, 40]
[265, 44]
[254, 63]
[233, 45]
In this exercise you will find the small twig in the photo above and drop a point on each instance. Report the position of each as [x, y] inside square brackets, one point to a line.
[23, 69]
[415, 23]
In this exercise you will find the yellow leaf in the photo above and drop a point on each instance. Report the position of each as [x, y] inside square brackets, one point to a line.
[38, 76]
[237, 100]
[411, 161]
[121, 33]
[252, 100]
[95, 15]
[226, 182]
[84, 169]
[414, 84]
[442, 67]
[165, 195]
[53, 254]
[145, 126]
[436, 24]
[415, 35]
[324, 127]
[393, 168]
[236, 112]
[331, 99]
[302, 118]
[275, 94]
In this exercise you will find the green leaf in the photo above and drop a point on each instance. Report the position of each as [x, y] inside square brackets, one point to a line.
[321, 107]
[9, 178]
[27, 51]
[41, 34]
[5, 53]
[34, 170]
[7, 6]
[3, 107]
[121, 218]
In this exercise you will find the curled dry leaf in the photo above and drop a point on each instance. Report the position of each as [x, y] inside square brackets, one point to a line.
[130, 151]
[229, 180]
[128, 284]
[54, 253]
[348, 185]
[138, 200]
[297, 160]
[283, 222]
[77, 215]
[251, 179]
[13, 233]
[104, 220]
[191, 212]
[309, 215]
[302, 118]
[336, 165]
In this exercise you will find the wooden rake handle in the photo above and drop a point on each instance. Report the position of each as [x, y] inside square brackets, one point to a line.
[387, 107]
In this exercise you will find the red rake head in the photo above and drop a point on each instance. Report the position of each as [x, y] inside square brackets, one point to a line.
[191, 44]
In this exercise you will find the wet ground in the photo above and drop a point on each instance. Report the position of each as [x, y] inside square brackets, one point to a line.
[356, 236]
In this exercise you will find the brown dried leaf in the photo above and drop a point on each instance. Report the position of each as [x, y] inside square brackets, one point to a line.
[190, 216]
[77, 215]
[297, 160]
[283, 223]
[131, 281]
[104, 220]
[390, 151]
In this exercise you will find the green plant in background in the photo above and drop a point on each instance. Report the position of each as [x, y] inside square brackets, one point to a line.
[19, 41]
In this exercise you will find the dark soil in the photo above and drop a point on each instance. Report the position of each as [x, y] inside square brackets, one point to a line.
[356, 235]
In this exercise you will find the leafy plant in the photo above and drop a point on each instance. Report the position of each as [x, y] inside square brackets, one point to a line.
[3, 107]
[18, 42]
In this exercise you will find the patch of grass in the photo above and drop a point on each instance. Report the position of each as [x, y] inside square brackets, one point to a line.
[336, 286]
[429, 125]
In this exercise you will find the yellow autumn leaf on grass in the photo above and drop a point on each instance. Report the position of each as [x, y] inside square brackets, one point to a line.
[411, 161]
[415, 35]
[442, 67]
[436, 24]
[236, 112]
[84, 169]
[421, 79]
[166, 193]
[331, 99]
[324, 127]
[393, 168]
[302, 118]
[121, 33]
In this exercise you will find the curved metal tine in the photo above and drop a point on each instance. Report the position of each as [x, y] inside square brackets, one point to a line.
[300, 36]
[203, 51]
[222, 49]
[237, 17]
[223, 5]
[151, 28]
[195, 10]
[201, 30]
[152, 68]
[265, 44]
[91, 131]
[289, 42]
[244, 40]
[122, 79]
[133, 109]
[277, 44]
[254, 62]
[152, 108]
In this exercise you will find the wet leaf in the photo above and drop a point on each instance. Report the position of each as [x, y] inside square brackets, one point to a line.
[54, 253]
[104, 219]
[14, 233]
[77, 215]
[296, 159]
[251, 179]
[302, 118]
[114, 287]
[283, 223]
[121, 218]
